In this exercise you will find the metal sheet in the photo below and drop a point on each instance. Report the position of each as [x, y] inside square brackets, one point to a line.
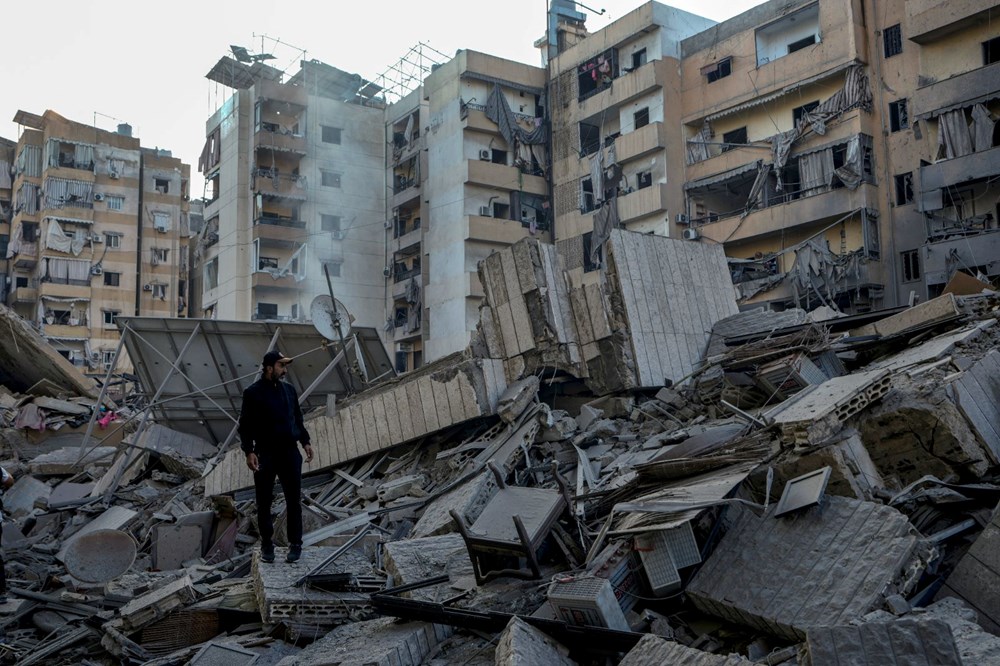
[224, 358]
[803, 491]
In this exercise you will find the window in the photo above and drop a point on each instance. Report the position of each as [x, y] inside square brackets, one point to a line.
[112, 279]
[800, 111]
[108, 355]
[267, 311]
[911, 265]
[20, 282]
[212, 275]
[113, 241]
[734, 139]
[597, 73]
[329, 178]
[899, 119]
[588, 265]
[114, 202]
[904, 188]
[109, 318]
[329, 223]
[641, 117]
[639, 58]
[587, 200]
[160, 255]
[719, 70]
[160, 291]
[29, 232]
[330, 134]
[161, 222]
[892, 39]
[643, 179]
[264, 263]
[161, 185]
[333, 268]
[498, 156]
[991, 51]
[590, 138]
[801, 43]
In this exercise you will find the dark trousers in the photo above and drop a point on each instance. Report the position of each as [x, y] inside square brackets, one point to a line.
[3, 573]
[287, 467]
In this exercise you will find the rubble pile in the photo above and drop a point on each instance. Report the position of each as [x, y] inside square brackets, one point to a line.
[810, 489]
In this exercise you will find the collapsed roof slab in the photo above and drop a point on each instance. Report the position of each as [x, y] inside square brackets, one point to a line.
[825, 566]
[655, 650]
[976, 578]
[905, 642]
[442, 394]
[26, 358]
[644, 318]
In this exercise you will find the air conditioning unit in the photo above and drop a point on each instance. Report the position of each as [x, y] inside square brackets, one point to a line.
[337, 235]
[485, 211]
[113, 174]
[484, 154]
[681, 218]
[387, 271]
[98, 197]
[96, 270]
[404, 346]
[97, 238]
[691, 234]
[147, 287]
[388, 224]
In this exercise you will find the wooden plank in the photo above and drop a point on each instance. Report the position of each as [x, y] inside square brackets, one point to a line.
[415, 409]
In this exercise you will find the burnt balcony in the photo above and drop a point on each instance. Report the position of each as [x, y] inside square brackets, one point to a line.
[960, 90]
[268, 182]
[936, 177]
[274, 137]
[280, 230]
[266, 280]
[929, 20]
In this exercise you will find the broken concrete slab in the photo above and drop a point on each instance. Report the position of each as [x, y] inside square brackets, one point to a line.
[975, 393]
[936, 310]
[412, 560]
[114, 518]
[932, 349]
[824, 566]
[20, 499]
[379, 642]
[175, 544]
[975, 645]
[71, 459]
[517, 397]
[468, 499]
[156, 603]
[220, 654]
[180, 452]
[655, 650]
[976, 578]
[904, 642]
[449, 391]
[522, 644]
[68, 491]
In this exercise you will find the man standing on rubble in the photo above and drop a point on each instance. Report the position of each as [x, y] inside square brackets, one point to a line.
[6, 481]
[270, 428]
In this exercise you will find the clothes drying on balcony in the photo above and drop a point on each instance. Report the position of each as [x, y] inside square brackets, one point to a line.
[499, 111]
[59, 240]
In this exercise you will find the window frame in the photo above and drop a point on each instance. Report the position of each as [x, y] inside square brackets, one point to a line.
[338, 134]
[892, 40]
[112, 279]
[899, 115]
[334, 176]
[910, 265]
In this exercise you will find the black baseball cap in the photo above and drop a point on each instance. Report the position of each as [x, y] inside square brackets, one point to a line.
[272, 357]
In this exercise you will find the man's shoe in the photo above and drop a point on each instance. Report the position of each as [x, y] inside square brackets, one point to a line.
[267, 553]
[294, 553]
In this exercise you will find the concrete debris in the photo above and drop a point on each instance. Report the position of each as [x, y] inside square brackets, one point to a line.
[594, 480]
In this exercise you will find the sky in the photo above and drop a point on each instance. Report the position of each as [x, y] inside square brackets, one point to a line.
[108, 61]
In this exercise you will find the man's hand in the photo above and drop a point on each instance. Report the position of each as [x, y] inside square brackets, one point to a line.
[252, 462]
[309, 452]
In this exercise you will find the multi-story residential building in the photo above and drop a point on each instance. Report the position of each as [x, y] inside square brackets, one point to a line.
[7, 148]
[467, 163]
[830, 149]
[617, 145]
[99, 229]
[295, 184]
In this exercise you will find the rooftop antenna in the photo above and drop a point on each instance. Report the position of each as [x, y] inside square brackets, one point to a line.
[590, 9]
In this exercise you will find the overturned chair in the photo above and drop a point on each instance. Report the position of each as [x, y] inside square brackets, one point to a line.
[514, 524]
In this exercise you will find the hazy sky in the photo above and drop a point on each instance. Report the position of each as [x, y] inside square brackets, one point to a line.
[144, 63]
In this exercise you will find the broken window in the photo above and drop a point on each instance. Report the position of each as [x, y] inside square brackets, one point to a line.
[870, 231]
[590, 138]
[160, 255]
[501, 211]
[643, 179]
[800, 111]
[588, 265]
[597, 73]
[109, 320]
[112, 279]
[330, 134]
[638, 58]
[641, 117]
[800, 44]
[267, 311]
[898, 117]
[333, 268]
[161, 185]
[498, 156]
[734, 139]
[159, 291]
[904, 188]
[161, 222]
[718, 70]
[329, 223]
[587, 200]
[265, 263]
[329, 178]
[212, 274]
[991, 51]
[892, 38]
[911, 265]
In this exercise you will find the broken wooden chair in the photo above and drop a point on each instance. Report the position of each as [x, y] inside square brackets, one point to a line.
[514, 524]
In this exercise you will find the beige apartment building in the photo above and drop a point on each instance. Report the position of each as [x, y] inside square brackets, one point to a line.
[7, 152]
[295, 183]
[99, 228]
[466, 165]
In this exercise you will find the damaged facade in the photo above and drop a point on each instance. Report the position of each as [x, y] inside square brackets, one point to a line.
[98, 228]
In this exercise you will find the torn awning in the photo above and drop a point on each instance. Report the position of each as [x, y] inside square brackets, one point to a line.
[722, 177]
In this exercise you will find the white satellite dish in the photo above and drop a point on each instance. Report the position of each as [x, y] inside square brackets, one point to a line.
[330, 318]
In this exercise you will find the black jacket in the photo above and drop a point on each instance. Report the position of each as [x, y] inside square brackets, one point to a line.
[270, 418]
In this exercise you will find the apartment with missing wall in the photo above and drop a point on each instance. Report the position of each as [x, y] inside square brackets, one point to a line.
[294, 177]
[98, 229]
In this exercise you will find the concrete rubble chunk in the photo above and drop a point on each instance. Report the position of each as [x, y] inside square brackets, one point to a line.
[935, 310]
[523, 645]
[148, 607]
[379, 642]
[67, 460]
[824, 566]
[115, 517]
[175, 544]
[516, 398]
[976, 577]
[20, 499]
[901, 643]
[655, 650]
[468, 499]
[413, 560]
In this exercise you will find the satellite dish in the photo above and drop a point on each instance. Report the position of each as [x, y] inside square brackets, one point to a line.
[330, 317]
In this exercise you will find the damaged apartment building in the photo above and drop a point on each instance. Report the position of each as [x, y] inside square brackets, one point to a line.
[843, 152]
[95, 227]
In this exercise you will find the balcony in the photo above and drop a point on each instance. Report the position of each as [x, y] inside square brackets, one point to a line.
[279, 231]
[280, 140]
[75, 289]
[264, 280]
[495, 230]
[647, 201]
[928, 20]
[279, 185]
[475, 120]
[503, 177]
[626, 88]
[281, 95]
[784, 217]
[960, 90]
[941, 257]
[64, 331]
[641, 142]
[27, 255]
[933, 178]
[407, 240]
[22, 295]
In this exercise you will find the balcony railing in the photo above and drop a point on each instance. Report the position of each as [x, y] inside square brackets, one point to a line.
[280, 222]
[400, 276]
